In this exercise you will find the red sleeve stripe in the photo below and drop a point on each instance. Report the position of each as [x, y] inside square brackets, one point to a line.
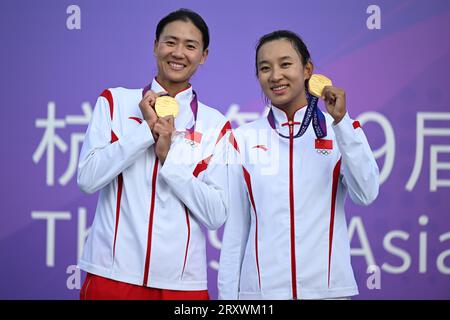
[119, 198]
[201, 166]
[356, 124]
[188, 224]
[248, 182]
[150, 224]
[334, 189]
[224, 130]
[113, 137]
[108, 96]
[233, 142]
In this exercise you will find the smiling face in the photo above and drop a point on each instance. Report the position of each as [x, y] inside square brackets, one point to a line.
[282, 75]
[178, 51]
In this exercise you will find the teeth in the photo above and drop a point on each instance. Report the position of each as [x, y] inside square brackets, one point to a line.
[279, 88]
[176, 65]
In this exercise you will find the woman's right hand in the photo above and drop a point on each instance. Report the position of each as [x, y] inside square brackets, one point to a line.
[147, 106]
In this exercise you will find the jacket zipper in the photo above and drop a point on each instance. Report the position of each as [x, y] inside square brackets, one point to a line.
[291, 207]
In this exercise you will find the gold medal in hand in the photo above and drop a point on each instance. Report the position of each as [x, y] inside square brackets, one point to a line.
[316, 84]
[166, 106]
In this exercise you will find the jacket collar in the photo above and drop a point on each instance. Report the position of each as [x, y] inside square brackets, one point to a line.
[282, 122]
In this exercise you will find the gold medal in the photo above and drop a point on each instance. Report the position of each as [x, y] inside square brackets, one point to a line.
[166, 106]
[316, 84]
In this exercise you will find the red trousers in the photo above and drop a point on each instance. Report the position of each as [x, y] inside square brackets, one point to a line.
[100, 288]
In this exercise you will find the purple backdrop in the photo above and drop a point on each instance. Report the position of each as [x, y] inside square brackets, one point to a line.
[392, 60]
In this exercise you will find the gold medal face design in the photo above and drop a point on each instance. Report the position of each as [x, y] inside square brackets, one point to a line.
[316, 84]
[166, 106]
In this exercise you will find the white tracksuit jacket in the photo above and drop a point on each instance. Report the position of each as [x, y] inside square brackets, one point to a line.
[147, 225]
[286, 234]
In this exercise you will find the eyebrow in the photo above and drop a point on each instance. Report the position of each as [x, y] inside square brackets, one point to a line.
[280, 59]
[176, 38]
[285, 57]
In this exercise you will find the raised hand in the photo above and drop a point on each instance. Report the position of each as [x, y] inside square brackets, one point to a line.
[335, 102]
[147, 106]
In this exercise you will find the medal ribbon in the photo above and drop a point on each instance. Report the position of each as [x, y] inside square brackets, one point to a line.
[313, 114]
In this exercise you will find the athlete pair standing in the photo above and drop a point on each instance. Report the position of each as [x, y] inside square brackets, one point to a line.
[161, 178]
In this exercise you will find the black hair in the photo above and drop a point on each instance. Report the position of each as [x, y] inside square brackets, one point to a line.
[185, 15]
[292, 37]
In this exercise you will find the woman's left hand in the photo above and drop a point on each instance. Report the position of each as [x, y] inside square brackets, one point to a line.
[335, 102]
